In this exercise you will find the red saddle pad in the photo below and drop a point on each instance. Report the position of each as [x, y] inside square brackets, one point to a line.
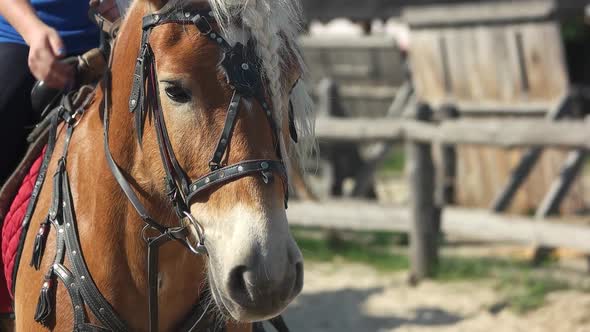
[11, 233]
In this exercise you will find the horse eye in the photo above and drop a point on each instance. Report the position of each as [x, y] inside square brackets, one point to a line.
[178, 94]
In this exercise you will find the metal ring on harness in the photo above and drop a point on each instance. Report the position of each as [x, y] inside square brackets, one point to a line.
[199, 248]
[144, 234]
[77, 118]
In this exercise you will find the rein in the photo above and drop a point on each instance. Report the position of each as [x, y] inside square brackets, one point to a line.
[244, 76]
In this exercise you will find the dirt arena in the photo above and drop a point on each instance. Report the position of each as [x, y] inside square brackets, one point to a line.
[356, 298]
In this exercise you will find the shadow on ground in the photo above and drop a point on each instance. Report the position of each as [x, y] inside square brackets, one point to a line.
[343, 311]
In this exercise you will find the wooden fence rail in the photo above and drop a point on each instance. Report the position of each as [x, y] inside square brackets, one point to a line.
[472, 223]
[502, 133]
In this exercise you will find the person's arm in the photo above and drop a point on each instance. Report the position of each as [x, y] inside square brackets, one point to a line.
[45, 44]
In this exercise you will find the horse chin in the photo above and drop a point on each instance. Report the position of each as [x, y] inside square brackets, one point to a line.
[231, 310]
[216, 294]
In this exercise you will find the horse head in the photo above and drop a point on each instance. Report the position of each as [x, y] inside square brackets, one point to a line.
[254, 266]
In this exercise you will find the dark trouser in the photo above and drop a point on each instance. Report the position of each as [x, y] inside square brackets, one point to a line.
[16, 114]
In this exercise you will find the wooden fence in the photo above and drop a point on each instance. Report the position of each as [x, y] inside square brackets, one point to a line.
[425, 218]
[496, 75]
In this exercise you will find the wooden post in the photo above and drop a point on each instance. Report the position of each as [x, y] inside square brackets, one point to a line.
[446, 179]
[425, 223]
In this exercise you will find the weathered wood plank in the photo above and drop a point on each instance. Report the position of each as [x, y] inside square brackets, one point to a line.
[460, 65]
[348, 42]
[492, 227]
[503, 133]
[470, 223]
[513, 106]
[516, 133]
[354, 215]
[427, 67]
[544, 61]
[358, 129]
[369, 92]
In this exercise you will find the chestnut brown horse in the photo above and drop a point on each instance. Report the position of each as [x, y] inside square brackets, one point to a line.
[253, 268]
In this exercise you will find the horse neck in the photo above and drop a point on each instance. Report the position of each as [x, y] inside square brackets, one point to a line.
[107, 217]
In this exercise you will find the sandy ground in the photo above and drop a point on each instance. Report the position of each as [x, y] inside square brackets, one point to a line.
[356, 298]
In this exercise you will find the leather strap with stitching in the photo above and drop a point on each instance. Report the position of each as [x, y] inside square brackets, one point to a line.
[99, 306]
[230, 122]
[229, 173]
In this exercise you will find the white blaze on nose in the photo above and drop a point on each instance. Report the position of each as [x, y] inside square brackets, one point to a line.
[253, 259]
[247, 235]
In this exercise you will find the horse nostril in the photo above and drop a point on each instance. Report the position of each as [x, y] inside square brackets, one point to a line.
[237, 284]
[249, 289]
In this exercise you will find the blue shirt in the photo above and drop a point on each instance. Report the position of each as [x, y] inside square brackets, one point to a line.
[68, 17]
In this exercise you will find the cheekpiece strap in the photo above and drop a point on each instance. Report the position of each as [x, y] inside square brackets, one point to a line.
[137, 91]
[230, 122]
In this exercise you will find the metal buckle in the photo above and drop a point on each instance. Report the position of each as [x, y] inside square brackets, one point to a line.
[198, 248]
[213, 166]
[202, 24]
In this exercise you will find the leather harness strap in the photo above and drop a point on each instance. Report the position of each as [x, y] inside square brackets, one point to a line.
[79, 284]
[229, 173]
[35, 194]
[230, 121]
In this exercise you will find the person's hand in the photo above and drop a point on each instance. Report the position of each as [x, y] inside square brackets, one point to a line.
[45, 50]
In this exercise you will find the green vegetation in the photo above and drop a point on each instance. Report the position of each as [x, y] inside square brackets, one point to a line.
[522, 289]
[469, 268]
[524, 292]
[367, 248]
[574, 29]
[395, 163]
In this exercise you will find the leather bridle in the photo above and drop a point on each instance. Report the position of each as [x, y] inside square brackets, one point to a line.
[243, 74]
